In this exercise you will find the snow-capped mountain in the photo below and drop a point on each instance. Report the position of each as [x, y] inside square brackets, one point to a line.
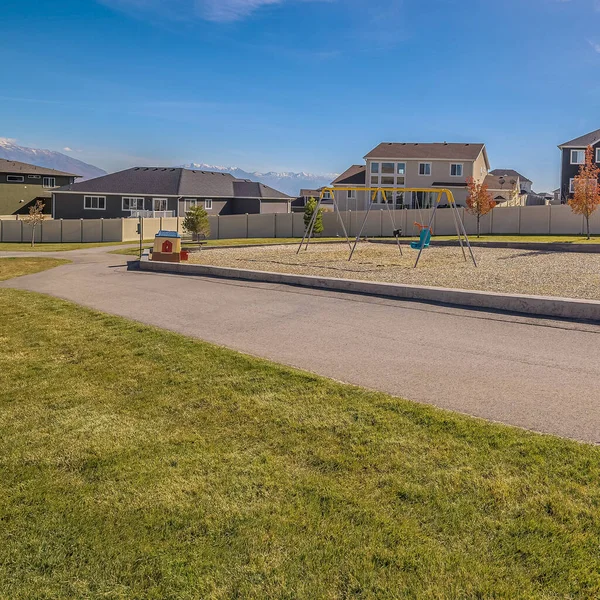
[48, 158]
[290, 183]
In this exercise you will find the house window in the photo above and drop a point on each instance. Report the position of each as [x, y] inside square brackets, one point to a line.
[208, 204]
[374, 167]
[387, 181]
[401, 168]
[424, 168]
[350, 194]
[375, 180]
[572, 186]
[326, 195]
[33, 176]
[94, 202]
[49, 182]
[456, 170]
[15, 178]
[387, 168]
[577, 157]
[597, 154]
[133, 204]
[159, 204]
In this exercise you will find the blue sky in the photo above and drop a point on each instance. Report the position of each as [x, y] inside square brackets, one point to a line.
[307, 85]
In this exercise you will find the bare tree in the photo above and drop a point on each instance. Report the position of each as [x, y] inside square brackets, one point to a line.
[35, 217]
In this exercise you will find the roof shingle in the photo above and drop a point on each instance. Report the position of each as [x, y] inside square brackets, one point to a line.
[440, 151]
[14, 166]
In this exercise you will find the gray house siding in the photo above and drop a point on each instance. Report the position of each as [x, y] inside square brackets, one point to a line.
[71, 206]
[274, 206]
[220, 206]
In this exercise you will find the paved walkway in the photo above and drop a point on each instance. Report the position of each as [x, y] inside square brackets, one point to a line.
[538, 374]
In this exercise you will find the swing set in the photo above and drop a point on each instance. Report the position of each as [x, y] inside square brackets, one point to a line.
[425, 229]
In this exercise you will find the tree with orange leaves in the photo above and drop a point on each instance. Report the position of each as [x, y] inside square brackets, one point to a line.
[479, 200]
[586, 197]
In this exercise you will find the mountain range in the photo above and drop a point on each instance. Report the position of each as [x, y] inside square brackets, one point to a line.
[50, 159]
[288, 182]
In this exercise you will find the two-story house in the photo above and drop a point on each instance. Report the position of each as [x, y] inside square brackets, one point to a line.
[573, 156]
[412, 165]
[21, 184]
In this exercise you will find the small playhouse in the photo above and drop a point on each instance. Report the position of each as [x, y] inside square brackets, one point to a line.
[167, 247]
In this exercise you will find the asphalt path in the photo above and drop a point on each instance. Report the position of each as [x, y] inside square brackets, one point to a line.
[538, 374]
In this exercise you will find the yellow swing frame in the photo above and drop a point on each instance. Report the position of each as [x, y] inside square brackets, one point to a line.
[458, 222]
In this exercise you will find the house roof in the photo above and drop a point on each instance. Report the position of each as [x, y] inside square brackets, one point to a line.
[355, 175]
[510, 173]
[437, 151]
[310, 193]
[493, 183]
[168, 181]
[589, 139]
[14, 166]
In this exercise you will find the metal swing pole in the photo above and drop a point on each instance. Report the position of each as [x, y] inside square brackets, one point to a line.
[363, 225]
[393, 222]
[456, 215]
[339, 216]
[428, 227]
[467, 239]
[311, 224]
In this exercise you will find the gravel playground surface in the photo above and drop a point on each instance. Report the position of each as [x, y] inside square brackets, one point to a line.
[567, 274]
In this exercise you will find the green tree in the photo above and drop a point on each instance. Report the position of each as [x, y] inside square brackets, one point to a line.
[196, 222]
[309, 210]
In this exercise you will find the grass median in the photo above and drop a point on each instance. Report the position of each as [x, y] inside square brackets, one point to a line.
[16, 267]
[138, 463]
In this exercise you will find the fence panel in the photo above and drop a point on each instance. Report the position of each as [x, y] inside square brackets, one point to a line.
[91, 230]
[12, 231]
[444, 223]
[535, 220]
[563, 221]
[71, 230]
[297, 224]
[485, 223]
[112, 230]
[51, 232]
[261, 226]
[233, 227]
[27, 233]
[284, 225]
[505, 221]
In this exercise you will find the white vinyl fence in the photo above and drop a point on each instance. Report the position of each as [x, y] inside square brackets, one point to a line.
[527, 220]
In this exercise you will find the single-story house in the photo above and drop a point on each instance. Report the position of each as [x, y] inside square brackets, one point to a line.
[21, 184]
[165, 192]
[305, 195]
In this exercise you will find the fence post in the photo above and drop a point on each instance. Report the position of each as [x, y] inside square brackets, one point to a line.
[247, 225]
[381, 222]
[275, 225]
[549, 219]
[519, 228]
[102, 229]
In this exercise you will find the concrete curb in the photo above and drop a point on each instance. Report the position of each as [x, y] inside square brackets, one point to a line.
[544, 306]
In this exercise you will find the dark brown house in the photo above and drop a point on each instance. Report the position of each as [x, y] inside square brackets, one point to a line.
[164, 191]
[573, 156]
[21, 184]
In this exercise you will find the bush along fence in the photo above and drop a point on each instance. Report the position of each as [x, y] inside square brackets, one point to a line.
[527, 220]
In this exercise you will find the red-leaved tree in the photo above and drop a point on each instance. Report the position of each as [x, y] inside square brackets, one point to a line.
[479, 200]
[586, 197]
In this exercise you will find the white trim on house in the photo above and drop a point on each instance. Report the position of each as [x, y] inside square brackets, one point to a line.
[424, 174]
[49, 182]
[160, 199]
[597, 154]
[15, 178]
[582, 151]
[34, 176]
[572, 185]
[207, 203]
[85, 198]
[456, 164]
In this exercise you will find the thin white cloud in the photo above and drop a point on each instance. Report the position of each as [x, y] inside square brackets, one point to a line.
[67, 149]
[221, 11]
[595, 46]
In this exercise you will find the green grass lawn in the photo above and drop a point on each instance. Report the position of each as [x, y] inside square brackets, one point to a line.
[137, 463]
[47, 247]
[15, 267]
